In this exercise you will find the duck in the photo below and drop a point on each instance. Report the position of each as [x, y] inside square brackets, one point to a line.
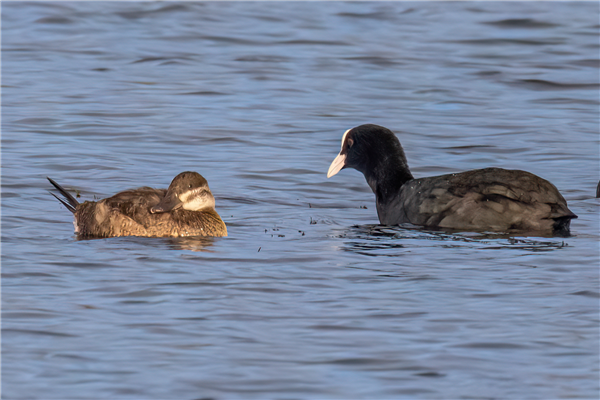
[481, 200]
[185, 208]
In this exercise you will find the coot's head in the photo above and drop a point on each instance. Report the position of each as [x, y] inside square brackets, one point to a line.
[188, 190]
[370, 149]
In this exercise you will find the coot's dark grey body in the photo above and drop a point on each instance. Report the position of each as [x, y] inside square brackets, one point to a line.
[490, 199]
[186, 208]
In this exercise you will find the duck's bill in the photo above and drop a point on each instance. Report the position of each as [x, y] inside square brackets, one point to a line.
[337, 165]
[168, 203]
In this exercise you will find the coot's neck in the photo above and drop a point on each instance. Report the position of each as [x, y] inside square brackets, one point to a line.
[387, 176]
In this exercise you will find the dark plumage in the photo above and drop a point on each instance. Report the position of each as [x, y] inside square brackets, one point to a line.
[490, 199]
[186, 208]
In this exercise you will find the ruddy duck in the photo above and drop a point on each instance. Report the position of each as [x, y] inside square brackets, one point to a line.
[186, 208]
[490, 199]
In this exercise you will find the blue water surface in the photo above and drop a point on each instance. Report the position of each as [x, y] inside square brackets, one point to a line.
[307, 298]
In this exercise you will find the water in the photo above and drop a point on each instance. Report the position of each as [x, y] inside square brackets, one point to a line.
[307, 297]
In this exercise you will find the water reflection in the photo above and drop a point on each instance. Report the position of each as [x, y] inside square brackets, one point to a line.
[191, 243]
[378, 240]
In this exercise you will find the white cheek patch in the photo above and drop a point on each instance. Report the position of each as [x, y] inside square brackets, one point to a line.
[184, 196]
[199, 203]
[197, 199]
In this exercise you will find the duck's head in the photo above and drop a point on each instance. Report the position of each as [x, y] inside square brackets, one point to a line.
[188, 190]
[367, 148]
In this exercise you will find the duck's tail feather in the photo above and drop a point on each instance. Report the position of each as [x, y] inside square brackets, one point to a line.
[68, 201]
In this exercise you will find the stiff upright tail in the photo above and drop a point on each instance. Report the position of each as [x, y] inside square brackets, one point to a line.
[68, 201]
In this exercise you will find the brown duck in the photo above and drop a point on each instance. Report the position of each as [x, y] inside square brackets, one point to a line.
[490, 199]
[186, 208]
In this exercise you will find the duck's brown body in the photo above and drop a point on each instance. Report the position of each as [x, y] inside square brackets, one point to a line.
[185, 209]
[128, 214]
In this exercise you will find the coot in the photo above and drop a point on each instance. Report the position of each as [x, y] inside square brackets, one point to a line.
[489, 199]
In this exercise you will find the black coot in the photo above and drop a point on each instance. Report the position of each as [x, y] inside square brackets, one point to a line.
[490, 199]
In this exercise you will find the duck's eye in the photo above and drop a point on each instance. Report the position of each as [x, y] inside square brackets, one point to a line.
[190, 186]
